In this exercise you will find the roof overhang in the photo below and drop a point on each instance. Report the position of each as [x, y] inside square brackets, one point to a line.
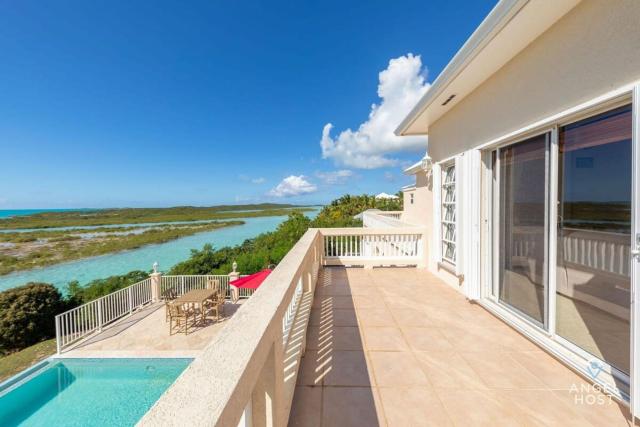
[507, 30]
[423, 165]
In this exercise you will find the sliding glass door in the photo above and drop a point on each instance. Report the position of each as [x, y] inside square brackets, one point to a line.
[562, 233]
[522, 225]
[593, 287]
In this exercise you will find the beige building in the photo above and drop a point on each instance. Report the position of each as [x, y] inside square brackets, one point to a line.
[530, 183]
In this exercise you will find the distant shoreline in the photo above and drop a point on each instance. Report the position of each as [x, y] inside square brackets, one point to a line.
[97, 217]
[8, 213]
[58, 236]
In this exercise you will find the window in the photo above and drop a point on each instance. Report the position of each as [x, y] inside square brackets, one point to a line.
[449, 213]
[411, 198]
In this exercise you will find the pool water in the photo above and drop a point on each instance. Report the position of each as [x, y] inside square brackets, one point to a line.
[89, 392]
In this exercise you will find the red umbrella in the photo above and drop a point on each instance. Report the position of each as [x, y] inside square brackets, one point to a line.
[252, 281]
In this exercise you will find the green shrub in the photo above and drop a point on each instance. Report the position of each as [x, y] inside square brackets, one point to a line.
[78, 294]
[269, 248]
[27, 315]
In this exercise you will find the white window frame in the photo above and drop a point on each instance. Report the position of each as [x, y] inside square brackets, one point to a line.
[448, 205]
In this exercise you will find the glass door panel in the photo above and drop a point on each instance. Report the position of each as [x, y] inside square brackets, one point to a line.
[594, 235]
[521, 221]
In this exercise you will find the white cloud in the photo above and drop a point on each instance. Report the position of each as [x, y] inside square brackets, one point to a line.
[400, 87]
[260, 180]
[335, 177]
[293, 186]
[388, 176]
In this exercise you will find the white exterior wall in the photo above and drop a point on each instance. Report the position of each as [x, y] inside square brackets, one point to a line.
[592, 50]
[420, 211]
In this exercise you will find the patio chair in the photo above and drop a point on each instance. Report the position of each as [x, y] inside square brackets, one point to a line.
[179, 315]
[169, 295]
[214, 305]
[213, 284]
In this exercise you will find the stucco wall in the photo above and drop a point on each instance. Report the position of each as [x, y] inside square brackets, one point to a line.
[421, 211]
[593, 49]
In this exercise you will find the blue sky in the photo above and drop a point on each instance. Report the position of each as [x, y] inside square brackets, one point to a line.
[109, 103]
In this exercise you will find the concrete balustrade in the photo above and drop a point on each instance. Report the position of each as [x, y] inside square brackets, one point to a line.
[248, 372]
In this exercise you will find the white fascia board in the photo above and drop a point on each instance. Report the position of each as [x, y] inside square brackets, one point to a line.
[423, 165]
[509, 28]
[413, 169]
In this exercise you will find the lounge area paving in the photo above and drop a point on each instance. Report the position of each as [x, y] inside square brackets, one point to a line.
[398, 347]
[146, 334]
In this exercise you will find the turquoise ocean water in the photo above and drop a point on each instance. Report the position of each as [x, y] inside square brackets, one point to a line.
[166, 254]
[6, 213]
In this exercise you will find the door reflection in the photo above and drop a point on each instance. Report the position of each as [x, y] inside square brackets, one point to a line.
[594, 235]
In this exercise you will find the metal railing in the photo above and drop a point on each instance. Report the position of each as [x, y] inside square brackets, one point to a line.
[82, 321]
[89, 318]
[182, 284]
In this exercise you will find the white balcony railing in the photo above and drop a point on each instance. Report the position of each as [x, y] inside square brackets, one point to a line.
[182, 284]
[87, 319]
[383, 219]
[595, 250]
[368, 247]
[247, 374]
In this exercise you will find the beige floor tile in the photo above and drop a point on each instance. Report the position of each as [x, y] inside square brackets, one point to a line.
[348, 368]
[349, 407]
[333, 301]
[598, 409]
[410, 317]
[426, 339]
[553, 374]
[313, 337]
[500, 371]
[375, 317]
[365, 301]
[479, 408]
[347, 338]
[394, 369]
[344, 317]
[541, 408]
[306, 410]
[413, 406]
[384, 339]
[314, 368]
[447, 369]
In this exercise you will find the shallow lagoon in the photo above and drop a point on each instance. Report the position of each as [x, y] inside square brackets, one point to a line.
[166, 254]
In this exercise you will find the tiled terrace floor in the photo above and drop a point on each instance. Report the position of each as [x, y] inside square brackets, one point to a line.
[146, 334]
[399, 347]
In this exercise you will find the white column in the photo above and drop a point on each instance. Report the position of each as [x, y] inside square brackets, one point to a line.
[156, 280]
[234, 275]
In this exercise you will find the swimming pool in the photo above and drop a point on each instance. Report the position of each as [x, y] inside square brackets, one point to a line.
[88, 392]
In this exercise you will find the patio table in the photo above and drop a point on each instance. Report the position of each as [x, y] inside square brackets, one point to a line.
[195, 296]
